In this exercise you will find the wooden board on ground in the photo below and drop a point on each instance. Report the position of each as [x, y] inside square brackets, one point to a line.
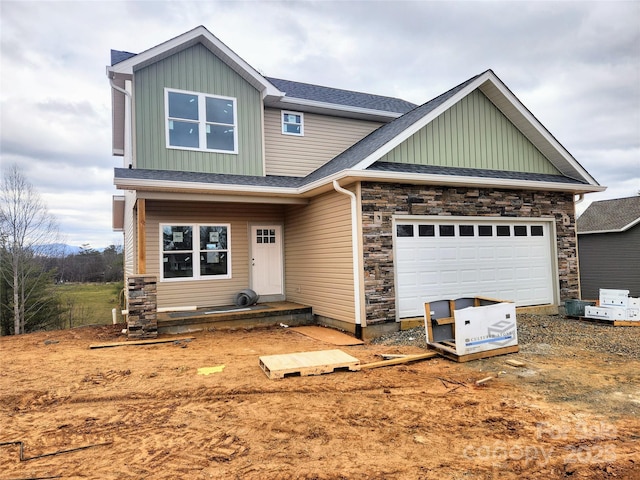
[328, 335]
[307, 363]
[141, 342]
[450, 353]
[614, 323]
[400, 360]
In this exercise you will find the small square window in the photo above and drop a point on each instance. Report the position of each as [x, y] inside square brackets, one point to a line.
[537, 231]
[426, 230]
[520, 230]
[447, 231]
[465, 230]
[293, 123]
[404, 230]
[485, 230]
[503, 230]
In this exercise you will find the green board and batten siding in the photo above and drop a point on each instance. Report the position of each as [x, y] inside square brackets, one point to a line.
[195, 69]
[473, 133]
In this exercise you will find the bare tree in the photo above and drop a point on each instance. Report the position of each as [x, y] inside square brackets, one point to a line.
[26, 230]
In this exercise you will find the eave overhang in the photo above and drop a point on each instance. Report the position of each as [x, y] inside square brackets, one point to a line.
[333, 109]
[344, 177]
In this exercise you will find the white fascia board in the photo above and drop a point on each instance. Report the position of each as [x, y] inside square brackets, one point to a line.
[208, 197]
[198, 34]
[543, 134]
[329, 107]
[174, 186]
[415, 127]
[453, 180]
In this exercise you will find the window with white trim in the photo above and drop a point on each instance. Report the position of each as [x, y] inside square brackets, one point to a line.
[195, 252]
[198, 121]
[292, 123]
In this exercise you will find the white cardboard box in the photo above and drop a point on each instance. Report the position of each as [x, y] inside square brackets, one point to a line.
[606, 312]
[617, 298]
[633, 314]
[488, 327]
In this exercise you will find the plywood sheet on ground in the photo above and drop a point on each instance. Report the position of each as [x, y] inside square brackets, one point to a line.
[328, 335]
[307, 363]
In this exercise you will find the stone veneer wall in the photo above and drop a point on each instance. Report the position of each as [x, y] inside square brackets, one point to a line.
[391, 199]
[142, 320]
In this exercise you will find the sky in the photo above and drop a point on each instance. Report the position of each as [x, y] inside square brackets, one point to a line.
[575, 65]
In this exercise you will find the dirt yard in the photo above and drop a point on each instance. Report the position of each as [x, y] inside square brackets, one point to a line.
[145, 412]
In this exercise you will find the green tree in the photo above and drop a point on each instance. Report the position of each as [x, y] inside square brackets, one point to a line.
[26, 229]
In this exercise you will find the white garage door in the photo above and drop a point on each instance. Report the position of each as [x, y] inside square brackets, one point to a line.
[448, 259]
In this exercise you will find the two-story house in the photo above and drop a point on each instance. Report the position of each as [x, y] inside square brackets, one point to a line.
[360, 206]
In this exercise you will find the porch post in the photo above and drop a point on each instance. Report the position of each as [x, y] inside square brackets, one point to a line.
[142, 237]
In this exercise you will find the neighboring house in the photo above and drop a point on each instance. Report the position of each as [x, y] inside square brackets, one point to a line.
[360, 206]
[609, 247]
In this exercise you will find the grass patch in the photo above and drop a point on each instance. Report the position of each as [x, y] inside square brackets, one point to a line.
[89, 303]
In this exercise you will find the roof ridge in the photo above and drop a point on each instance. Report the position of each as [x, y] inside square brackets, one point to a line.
[336, 88]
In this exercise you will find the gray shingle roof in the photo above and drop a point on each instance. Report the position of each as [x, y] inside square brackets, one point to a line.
[118, 56]
[609, 215]
[471, 172]
[213, 178]
[338, 96]
[376, 139]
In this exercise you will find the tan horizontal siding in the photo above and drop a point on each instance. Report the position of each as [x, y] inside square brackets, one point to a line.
[324, 138]
[212, 292]
[319, 256]
[130, 233]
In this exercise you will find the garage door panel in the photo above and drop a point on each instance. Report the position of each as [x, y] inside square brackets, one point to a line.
[449, 277]
[514, 267]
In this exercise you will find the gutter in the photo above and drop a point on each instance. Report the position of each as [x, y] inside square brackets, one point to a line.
[356, 257]
[128, 147]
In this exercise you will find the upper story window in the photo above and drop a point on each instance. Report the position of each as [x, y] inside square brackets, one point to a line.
[292, 123]
[198, 121]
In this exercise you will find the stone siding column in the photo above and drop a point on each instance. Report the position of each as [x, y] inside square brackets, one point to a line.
[142, 321]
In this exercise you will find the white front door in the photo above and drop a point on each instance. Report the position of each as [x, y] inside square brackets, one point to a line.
[266, 259]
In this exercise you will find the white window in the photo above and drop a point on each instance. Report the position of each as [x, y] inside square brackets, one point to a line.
[198, 121]
[292, 123]
[195, 252]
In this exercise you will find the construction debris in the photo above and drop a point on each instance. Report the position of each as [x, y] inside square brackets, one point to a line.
[142, 342]
[24, 459]
[515, 363]
[484, 380]
[307, 363]
[399, 360]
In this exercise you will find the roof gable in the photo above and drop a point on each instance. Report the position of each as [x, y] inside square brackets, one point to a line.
[277, 93]
[607, 216]
[381, 142]
[473, 133]
[197, 35]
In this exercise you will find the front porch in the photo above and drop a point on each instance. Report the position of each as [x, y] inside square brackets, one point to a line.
[232, 317]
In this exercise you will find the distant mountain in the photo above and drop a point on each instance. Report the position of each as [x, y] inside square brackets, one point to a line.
[62, 249]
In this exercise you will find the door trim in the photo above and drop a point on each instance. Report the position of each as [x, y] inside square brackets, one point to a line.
[278, 297]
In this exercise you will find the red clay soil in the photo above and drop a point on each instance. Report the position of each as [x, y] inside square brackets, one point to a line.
[145, 412]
